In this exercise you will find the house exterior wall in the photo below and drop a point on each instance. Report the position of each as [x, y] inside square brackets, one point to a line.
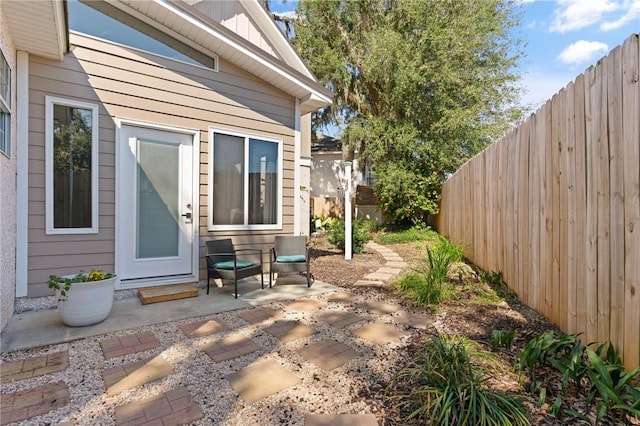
[233, 15]
[305, 175]
[8, 194]
[328, 181]
[130, 84]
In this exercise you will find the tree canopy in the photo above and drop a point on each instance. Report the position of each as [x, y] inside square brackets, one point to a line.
[419, 86]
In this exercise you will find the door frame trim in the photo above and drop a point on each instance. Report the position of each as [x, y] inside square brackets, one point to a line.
[195, 170]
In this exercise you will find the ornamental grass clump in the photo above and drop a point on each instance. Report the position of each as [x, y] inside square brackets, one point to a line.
[446, 384]
[63, 284]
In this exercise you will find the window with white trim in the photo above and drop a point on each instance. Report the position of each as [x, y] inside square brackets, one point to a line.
[5, 105]
[245, 182]
[71, 145]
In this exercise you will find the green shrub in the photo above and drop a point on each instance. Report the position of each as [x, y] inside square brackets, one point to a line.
[445, 385]
[359, 233]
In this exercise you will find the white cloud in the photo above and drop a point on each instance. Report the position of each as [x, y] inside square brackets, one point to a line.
[582, 51]
[575, 14]
[633, 13]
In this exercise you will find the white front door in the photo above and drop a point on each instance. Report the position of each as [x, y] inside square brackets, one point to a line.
[155, 206]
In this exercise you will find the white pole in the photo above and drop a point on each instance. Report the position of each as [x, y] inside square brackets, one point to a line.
[347, 213]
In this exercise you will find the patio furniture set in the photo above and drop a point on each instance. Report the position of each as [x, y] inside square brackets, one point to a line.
[289, 254]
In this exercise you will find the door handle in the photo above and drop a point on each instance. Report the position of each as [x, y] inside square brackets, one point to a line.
[187, 215]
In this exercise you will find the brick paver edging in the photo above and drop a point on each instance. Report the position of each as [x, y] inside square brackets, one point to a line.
[33, 402]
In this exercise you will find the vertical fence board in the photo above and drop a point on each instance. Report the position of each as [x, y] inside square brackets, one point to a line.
[631, 136]
[570, 178]
[591, 256]
[604, 273]
[490, 193]
[522, 218]
[534, 218]
[548, 215]
[502, 201]
[509, 212]
[581, 204]
[561, 199]
[616, 185]
[558, 307]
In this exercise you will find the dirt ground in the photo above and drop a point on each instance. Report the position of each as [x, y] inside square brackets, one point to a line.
[469, 318]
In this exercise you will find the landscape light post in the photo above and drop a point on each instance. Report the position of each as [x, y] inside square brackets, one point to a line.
[347, 212]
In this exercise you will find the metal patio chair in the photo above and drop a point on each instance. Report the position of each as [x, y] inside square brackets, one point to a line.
[290, 254]
[226, 262]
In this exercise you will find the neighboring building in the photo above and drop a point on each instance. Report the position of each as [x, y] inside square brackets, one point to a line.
[328, 181]
[140, 130]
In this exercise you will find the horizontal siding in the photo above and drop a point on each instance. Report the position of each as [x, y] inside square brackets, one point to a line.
[133, 85]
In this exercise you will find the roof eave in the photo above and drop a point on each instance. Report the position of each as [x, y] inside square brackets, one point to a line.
[39, 28]
[220, 41]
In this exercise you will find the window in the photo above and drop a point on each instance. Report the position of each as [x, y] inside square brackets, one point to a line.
[5, 105]
[100, 19]
[71, 166]
[245, 183]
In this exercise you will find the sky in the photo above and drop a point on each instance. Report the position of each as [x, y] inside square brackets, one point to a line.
[563, 38]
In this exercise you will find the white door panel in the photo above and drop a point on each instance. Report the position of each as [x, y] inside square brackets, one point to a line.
[155, 204]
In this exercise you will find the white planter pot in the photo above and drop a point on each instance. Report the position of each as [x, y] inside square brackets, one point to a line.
[87, 303]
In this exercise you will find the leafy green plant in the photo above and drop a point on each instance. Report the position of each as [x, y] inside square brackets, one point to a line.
[445, 384]
[63, 284]
[611, 386]
[612, 383]
[503, 339]
[321, 223]
[360, 236]
[491, 277]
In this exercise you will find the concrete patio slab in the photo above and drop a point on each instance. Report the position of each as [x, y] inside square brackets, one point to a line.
[202, 328]
[230, 347]
[341, 297]
[380, 334]
[340, 318]
[33, 367]
[34, 329]
[414, 320]
[370, 283]
[378, 276]
[174, 407]
[32, 402]
[260, 380]
[305, 305]
[288, 331]
[328, 354]
[128, 344]
[340, 420]
[122, 377]
[258, 315]
[376, 307]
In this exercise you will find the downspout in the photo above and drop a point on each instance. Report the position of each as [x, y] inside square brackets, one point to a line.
[22, 172]
[297, 140]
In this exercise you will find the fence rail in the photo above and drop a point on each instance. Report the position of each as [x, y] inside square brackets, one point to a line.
[555, 205]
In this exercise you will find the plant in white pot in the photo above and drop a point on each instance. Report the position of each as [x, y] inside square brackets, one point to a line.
[85, 298]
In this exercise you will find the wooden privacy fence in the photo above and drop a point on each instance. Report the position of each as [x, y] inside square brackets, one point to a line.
[555, 205]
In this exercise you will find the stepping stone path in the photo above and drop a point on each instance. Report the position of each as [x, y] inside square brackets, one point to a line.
[252, 383]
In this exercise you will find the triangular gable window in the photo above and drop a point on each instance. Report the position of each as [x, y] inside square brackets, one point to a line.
[99, 19]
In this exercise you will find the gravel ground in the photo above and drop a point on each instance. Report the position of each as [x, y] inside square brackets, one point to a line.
[342, 390]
